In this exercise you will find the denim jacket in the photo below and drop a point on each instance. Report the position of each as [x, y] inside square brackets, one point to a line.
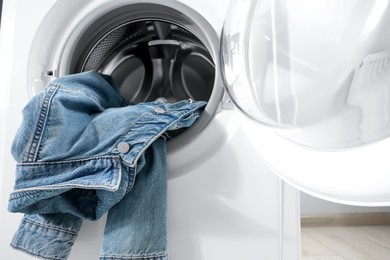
[80, 149]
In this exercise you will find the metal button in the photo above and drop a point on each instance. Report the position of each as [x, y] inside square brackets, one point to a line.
[159, 110]
[123, 147]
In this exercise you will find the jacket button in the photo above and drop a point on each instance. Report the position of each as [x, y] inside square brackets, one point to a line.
[123, 147]
[159, 110]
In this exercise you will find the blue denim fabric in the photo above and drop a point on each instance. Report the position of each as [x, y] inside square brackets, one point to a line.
[140, 217]
[83, 151]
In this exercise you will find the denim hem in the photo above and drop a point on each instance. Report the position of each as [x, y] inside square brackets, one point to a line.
[77, 173]
[23, 250]
[98, 183]
[156, 256]
[43, 240]
[59, 229]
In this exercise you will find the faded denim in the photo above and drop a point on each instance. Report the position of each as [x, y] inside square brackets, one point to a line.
[83, 151]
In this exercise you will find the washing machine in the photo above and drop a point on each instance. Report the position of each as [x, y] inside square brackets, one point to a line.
[297, 111]
[224, 202]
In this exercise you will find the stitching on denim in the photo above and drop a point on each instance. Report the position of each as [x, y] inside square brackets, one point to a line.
[42, 163]
[132, 176]
[142, 115]
[112, 186]
[32, 222]
[179, 118]
[41, 122]
[29, 192]
[127, 133]
[136, 257]
[124, 134]
[32, 254]
[20, 194]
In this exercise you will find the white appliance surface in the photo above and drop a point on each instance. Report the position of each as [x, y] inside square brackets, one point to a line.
[224, 203]
[318, 73]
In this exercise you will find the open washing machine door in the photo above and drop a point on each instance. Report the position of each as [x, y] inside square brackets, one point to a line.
[317, 73]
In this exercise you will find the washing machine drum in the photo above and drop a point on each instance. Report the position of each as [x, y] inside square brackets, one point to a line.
[149, 60]
[318, 73]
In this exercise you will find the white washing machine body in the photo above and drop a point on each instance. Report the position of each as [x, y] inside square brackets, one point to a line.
[224, 202]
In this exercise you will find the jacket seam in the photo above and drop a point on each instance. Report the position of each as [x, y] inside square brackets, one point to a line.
[161, 132]
[38, 163]
[70, 232]
[41, 123]
[178, 116]
[130, 257]
[29, 192]
[32, 191]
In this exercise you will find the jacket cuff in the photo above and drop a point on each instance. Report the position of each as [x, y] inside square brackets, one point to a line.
[47, 236]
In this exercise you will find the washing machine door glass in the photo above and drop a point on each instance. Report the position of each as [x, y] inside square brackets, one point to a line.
[317, 72]
[321, 68]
